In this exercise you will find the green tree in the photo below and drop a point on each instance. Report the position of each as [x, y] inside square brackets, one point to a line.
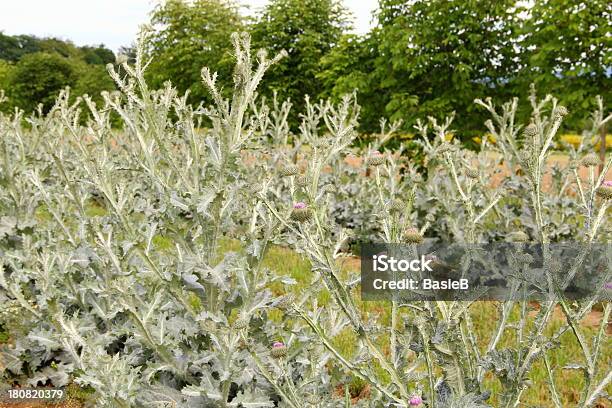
[53, 45]
[436, 56]
[33, 70]
[99, 55]
[307, 30]
[92, 80]
[12, 48]
[6, 69]
[188, 36]
[347, 68]
[38, 78]
[566, 52]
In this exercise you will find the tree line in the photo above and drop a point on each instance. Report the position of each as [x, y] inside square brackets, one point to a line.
[422, 57]
[33, 70]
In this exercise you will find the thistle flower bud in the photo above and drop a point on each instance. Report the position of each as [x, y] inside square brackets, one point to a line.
[121, 59]
[290, 170]
[560, 112]
[444, 147]
[253, 189]
[322, 144]
[396, 206]
[242, 323]
[302, 181]
[301, 212]
[328, 188]
[285, 301]
[419, 321]
[262, 54]
[415, 400]
[518, 236]
[471, 173]
[413, 236]
[531, 130]
[605, 190]
[278, 350]
[573, 164]
[375, 159]
[590, 160]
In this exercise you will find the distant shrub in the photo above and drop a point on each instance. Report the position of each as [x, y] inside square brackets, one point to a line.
[38, 78]
[5, 71]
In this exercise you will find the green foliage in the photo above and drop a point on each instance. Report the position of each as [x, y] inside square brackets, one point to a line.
[348, 67]
[99, 55]
[422, 58]
[56, 46]
[187, 36]
[12, 48]
[567, 53]
[33, 70]
[5, 71]
[429, 58]
[432, 57]
[38, 78]
[92, 80]
[307, 30]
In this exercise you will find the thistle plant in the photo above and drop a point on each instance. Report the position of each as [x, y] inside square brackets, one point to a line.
[469, 192]
[531, 154]
[145, 272]
[322, 245]
[431, 334]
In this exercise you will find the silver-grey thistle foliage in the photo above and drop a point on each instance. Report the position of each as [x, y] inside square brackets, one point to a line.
[113, 260]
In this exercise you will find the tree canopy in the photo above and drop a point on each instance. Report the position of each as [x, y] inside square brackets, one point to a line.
[38, 78]
[566, 51]
[33, 70]
[186, 37]
[308, 30]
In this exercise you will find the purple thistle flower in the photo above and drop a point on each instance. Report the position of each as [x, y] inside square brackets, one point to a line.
[299, 205]
[605, 190]
[415, 400]
[278, 350]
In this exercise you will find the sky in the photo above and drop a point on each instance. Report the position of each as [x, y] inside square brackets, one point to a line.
[111, 22]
